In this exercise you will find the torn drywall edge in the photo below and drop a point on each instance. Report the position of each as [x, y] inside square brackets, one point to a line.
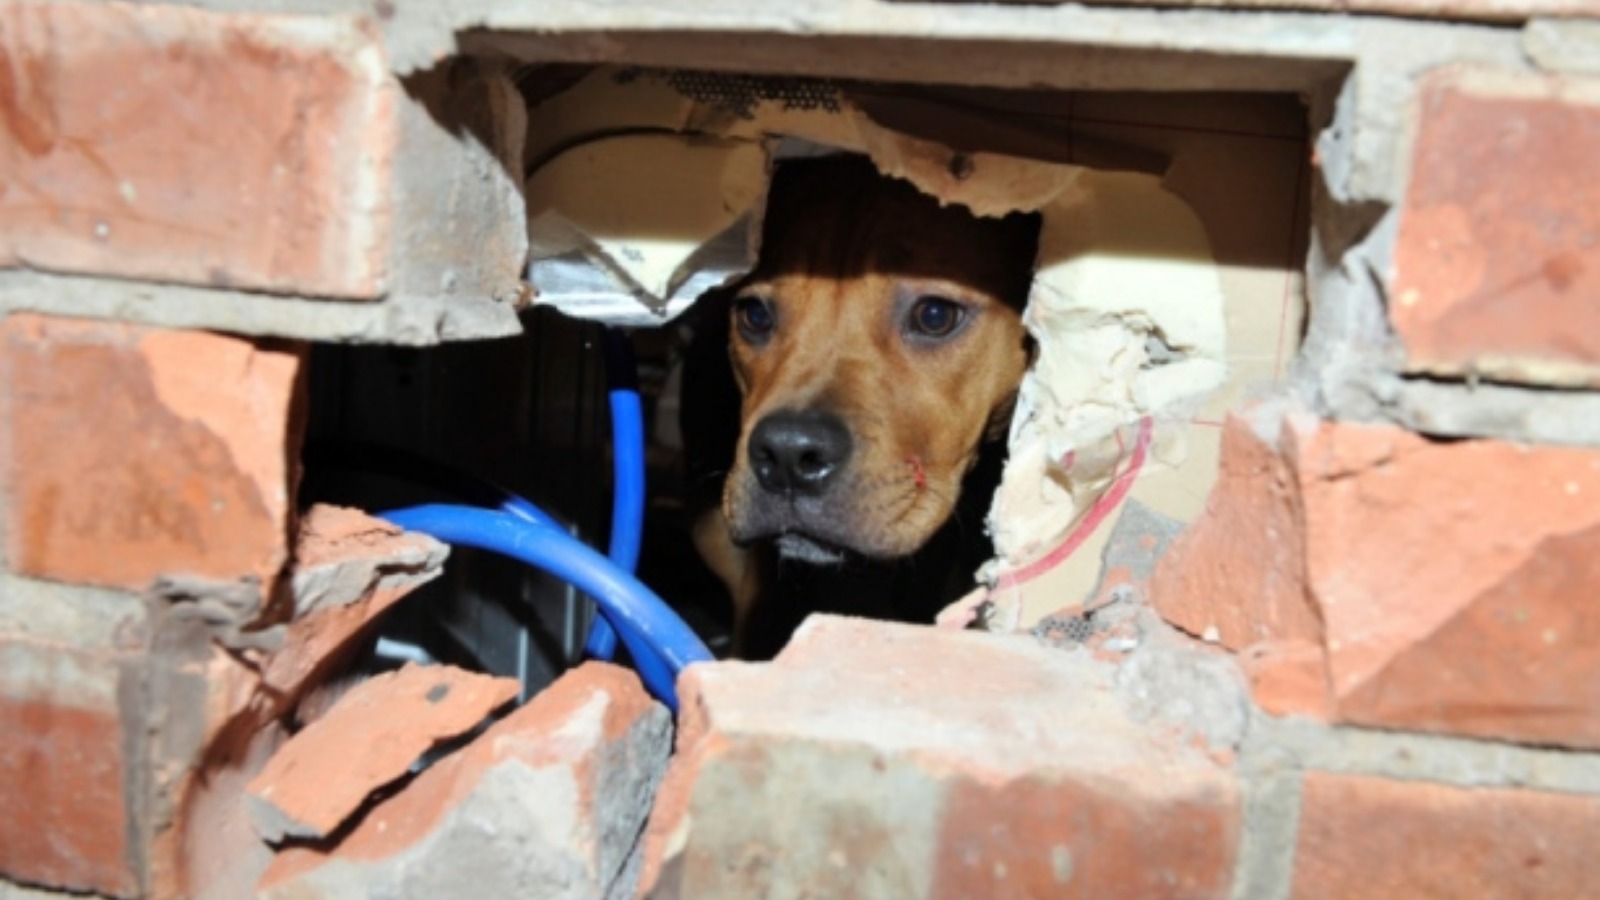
[642, 198]
[1127, 309]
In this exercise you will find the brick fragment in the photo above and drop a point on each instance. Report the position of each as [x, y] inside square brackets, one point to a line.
[349, 569]
[1371, 837]
[874, 759]
[548, 803]
[370, 738]
[1497, 260]
[1449, 582]
[271, 174]
[128, 453]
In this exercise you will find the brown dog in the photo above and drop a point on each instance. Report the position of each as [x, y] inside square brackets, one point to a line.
[875, 350]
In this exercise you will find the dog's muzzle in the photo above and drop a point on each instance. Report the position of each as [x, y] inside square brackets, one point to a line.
[797, 460]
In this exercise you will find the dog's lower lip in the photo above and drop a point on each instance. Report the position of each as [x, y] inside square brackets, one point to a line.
[799, 547]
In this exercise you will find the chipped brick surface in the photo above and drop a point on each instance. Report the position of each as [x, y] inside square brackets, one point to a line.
[1370, 837]
[368, 739]
[1497, 262]
[1242, 572]
[548, 803]
[1417, 630]
[129, 453]
[349, 568]
[271, 174]
[873, 759]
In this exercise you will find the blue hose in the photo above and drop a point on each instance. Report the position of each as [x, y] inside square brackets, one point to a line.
[627, 493]
[660, 643]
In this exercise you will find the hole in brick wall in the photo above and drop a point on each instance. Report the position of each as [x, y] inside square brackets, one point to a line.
[1169, 271]
[1168, 291]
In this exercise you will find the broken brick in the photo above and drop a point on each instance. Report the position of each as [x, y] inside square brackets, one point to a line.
[129, 453]
[877, 759]
[370, 738]
[1364, 526]
[1240, 574]
[349, 568]
[549, 802]
[1363, 836]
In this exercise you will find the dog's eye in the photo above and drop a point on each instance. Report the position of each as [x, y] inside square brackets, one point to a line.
[754, 318]
[935, 316]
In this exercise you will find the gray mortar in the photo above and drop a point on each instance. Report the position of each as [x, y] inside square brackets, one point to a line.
[1423, 757]
[1264, 869]
[403, 320]
[1177, 681]
[1452, 409]
[74, 615]
[1556, 45]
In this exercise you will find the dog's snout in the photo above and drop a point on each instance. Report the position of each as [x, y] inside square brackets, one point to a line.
[798, 452]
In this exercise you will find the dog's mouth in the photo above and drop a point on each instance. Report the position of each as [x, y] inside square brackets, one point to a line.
[798, 547]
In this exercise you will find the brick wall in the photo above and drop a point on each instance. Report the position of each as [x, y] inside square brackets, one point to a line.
[1370, 669]
[1396, 574]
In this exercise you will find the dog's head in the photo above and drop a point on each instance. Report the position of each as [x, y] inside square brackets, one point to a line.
[877, 343]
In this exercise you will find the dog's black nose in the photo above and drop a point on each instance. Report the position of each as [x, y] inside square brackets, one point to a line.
[798, 452]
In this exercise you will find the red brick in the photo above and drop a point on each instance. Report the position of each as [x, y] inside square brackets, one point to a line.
[63, 772]
[881, 760]
[370, 738]
[128, 453]
[174, 144]
[547, 803]
[1498, 256]
[1451, 582]
[1364, 837]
